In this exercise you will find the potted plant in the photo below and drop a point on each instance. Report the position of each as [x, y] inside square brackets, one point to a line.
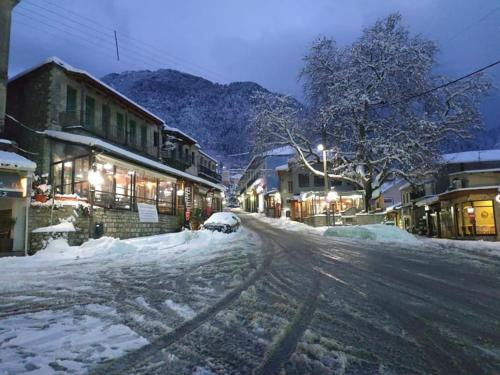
[195, 219]
[41, 189]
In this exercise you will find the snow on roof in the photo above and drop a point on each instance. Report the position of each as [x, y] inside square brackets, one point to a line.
[177, 130]
[207, 155]
[473, 171]
[6, 141]
[91, 141]
[69, 68]
[472, 156]
[426, 201]
[283, 167]
[489, 187]
[11, 160]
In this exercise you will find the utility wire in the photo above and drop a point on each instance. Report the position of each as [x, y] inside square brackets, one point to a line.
[470, 25]
[152, 51]
[449, 83]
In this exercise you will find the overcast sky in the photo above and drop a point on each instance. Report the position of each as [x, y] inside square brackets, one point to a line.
[236, 40]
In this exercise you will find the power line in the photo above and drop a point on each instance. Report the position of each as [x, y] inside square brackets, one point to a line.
[152, 50]
[418, 95]
[469, 26]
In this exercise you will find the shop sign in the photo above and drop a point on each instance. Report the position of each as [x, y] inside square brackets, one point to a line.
[12, 185]
[497, 198]
[188, 200]
[147, 213]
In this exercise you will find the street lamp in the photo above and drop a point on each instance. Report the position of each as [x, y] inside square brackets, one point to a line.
[322, 148]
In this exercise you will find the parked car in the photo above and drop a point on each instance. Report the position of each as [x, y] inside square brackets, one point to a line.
[225, 222]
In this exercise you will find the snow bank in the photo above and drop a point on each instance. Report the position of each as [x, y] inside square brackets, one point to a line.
[374, 232]
[183, 310]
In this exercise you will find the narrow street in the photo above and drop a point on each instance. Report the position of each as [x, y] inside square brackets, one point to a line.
[318, 305]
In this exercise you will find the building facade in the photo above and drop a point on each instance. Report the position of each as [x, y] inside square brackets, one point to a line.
[97, 145]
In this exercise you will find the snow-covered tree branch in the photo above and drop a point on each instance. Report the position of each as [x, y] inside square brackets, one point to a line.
[367, 106]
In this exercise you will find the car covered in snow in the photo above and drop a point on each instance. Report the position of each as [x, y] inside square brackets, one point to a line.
[225, 222]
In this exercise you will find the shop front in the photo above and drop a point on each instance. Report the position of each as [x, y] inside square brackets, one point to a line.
[15, 194]
[273, 204]
[474, 213]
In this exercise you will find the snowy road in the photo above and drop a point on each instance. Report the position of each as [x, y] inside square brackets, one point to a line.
[287, 301]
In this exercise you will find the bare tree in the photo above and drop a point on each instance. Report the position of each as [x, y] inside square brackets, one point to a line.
[373, 106]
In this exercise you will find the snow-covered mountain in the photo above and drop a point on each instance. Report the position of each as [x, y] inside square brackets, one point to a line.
[216, 115]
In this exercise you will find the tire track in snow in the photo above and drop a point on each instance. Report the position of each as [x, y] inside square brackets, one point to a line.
[143, 355]
[284, 347]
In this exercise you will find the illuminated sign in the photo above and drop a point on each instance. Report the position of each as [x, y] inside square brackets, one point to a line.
[497, 198]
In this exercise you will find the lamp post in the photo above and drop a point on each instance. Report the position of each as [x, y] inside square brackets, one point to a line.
[325, 179]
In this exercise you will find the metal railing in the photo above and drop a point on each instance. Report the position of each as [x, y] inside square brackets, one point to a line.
[208, 173]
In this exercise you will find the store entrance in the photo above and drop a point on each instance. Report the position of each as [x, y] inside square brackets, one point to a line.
[6, 224]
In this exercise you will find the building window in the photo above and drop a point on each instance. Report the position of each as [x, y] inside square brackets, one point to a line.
[70, 99]
[192, 157]
[336, 182]
[156, 139]
[303, 180]
[89, 112]
[132, 132]
[186, 154]
[290, 187]
[319, 180]
[106, 117]
[81, 186]
[120, 126]
[476, 218]
[166, 197]
[145, 189]
[123, 188]
[144, 137]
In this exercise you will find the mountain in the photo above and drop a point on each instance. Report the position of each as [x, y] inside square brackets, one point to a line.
[216, 115]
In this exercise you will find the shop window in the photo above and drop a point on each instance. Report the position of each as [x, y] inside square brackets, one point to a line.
[81, 186]
[303, 180]
[476, 218]
[67, 177]
[89, 112]
[166, 197]
[70, 99]
[123, 188]
[145, 189]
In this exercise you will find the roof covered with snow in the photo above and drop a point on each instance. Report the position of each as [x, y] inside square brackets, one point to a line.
[280, 151]
[472, 156]
[179, 132]
[283, 167]
[11, 160]
[69, 68]
[96, 142]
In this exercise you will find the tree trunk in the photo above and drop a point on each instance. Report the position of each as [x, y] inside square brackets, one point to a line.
[368, 195]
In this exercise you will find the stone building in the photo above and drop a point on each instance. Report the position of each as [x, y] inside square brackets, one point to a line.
[96, 145]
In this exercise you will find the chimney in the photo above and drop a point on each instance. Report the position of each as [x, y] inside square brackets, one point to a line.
[6, 7]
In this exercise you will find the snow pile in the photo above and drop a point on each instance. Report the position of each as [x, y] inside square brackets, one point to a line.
[224, 218]
[288, 224]
[64, 226]
[373, 232]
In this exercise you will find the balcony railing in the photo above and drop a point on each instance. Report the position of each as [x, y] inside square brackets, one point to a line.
[176, 162]
[209, 174]
[69, 118]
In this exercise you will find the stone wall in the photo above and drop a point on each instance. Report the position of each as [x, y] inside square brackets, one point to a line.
[117, 223]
